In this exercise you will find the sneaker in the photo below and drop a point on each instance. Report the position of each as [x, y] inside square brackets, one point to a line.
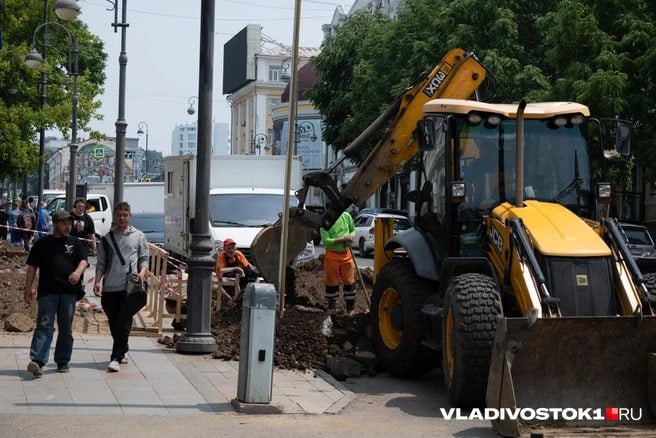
[35, 369]
[124, 361]
[63, 368]
[114, 367]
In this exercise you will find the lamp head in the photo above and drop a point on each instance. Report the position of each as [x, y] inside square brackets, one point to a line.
[33, 59]
[67, 9]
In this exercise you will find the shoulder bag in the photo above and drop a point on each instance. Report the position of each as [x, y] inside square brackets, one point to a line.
[136, 292]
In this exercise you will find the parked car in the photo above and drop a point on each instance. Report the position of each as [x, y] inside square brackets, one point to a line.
[639, 240]
[98, 207]
[365, 227]
[152, 225]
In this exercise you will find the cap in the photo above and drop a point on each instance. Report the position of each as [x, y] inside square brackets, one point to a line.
[60, 216]
[229, 241]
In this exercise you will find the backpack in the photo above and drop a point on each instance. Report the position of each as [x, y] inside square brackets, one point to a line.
[42, 223]
[25, 221]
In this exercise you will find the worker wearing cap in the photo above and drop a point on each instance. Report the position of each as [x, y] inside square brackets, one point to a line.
[338, 262]
[61, 261]
[232, 261]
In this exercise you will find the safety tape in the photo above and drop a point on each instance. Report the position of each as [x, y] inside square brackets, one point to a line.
[28, 230]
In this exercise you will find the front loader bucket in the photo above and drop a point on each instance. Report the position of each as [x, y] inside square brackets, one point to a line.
[593, 363]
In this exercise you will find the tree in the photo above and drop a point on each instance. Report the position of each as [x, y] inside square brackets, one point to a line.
[601, 53]
[20, 113]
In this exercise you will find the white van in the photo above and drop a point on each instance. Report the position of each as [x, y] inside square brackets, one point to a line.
[98, 207]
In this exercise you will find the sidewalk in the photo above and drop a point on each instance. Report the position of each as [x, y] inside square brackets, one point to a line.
[156, 381]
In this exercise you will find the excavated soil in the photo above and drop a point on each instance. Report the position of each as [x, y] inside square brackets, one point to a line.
[299, 343]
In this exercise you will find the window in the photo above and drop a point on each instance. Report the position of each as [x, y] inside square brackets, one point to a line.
[181, 137]
[191, 136]
[275, 73]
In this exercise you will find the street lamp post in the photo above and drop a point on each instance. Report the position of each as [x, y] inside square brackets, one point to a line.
[33, 59]
[65, 10]
[140, 131]
[121, 124]
[198, 337]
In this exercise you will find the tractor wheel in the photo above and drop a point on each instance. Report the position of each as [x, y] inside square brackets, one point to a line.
[397, 323]
[471, 305]
[650, 282]
[361, 250]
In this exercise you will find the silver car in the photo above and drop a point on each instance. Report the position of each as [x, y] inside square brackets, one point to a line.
[364, 230]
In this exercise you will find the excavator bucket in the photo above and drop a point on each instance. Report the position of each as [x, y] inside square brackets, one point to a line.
[606, 365]
[265, 248]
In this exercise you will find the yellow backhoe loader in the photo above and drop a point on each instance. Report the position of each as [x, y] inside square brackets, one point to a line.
[512, 277]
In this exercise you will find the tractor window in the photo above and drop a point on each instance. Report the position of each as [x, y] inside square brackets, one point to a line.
[435, 166]
[556, 165]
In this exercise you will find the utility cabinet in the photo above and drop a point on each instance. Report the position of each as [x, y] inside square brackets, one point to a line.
[258, 322]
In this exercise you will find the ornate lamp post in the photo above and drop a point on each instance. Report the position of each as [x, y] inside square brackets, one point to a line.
[33, 59]
[140, 131]
[198, 337]
[121, 124]
[66, 10]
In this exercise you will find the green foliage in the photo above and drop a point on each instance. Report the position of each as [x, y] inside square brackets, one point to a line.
[601, 53]
[21, 115]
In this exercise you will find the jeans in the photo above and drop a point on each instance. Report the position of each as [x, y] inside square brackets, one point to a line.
[120, 322]
[61, 306]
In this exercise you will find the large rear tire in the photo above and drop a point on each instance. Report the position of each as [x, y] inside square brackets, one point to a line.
[650, 282]
[398, 326]
[471, 305]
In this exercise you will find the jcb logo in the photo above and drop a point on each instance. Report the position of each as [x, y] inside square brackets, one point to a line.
[434, 84]
[495, 238]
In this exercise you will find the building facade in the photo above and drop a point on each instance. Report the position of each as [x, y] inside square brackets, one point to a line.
[95, 161]
[184, 139]
[256, 89]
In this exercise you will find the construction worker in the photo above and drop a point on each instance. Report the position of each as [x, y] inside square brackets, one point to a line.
[338, 264]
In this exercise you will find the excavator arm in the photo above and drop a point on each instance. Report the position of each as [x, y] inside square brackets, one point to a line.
[458, 75]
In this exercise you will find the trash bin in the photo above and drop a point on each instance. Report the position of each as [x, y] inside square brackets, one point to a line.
[257, 337]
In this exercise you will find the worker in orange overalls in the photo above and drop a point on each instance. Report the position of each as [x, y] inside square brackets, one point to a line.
[338, 264]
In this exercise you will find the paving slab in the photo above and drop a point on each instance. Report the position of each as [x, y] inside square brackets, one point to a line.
[156, 381]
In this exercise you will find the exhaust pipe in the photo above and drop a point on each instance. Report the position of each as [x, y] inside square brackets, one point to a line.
[519, 156]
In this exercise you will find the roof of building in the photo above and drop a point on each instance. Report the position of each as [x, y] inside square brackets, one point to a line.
[303, 52]
[307, 77]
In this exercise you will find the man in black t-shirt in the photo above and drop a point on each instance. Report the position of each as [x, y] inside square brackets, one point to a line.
[83, 227]
[61, 261]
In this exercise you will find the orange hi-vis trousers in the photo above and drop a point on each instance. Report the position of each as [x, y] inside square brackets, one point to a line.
[338, 268]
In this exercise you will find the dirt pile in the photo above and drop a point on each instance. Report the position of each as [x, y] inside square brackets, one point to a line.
[12, 282]
[299, 343]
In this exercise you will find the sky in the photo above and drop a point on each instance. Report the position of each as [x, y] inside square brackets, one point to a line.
[162, 46]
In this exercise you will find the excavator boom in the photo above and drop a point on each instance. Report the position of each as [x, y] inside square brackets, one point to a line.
[458, 75]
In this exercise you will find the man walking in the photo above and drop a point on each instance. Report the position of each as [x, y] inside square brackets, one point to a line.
[124, 251]
[83, 227]
[338, 262]
[61, 261]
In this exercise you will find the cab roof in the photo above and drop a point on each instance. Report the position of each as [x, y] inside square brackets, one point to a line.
[539, 110]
